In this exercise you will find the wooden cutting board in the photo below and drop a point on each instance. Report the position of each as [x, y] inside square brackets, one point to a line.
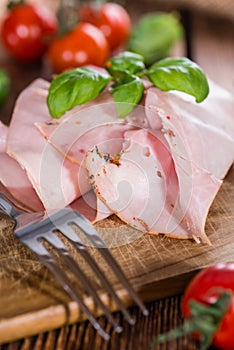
[31, 301]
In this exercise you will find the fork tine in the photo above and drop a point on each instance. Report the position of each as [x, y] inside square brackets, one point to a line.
[119, 273]
[32, 230]
[74, 267]
[49, 261]
[97, 241]
[71, 235]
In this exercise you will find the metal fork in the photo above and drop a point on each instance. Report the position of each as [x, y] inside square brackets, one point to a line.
[32, 228]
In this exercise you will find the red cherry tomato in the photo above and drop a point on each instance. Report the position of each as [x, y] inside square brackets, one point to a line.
[85, 44]
[25, 31]
[112, 19]
[205, 288]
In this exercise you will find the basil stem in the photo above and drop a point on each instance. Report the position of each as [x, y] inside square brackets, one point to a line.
[127, 94]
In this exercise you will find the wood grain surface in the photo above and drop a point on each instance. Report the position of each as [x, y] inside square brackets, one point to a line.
[32, 302]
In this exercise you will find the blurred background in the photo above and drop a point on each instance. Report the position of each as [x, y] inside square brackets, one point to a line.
[208, 39]
[223, 8]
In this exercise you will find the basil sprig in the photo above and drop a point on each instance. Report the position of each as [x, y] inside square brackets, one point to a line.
[179, 74]
[73, 88]
[81, 85]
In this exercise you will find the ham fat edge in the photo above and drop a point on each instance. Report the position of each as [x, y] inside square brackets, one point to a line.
[158, 170]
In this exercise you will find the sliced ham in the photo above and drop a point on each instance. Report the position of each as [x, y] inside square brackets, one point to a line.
[54, 178]
[158, 170]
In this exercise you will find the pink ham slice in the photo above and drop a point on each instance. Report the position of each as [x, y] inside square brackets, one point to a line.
[54, 178]
[3, 136]
[142, 188]
[130, 184]
[139, 190]
[14, 178]
[201, 140]
[202, 133]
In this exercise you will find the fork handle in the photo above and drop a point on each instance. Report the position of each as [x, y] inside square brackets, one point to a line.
[8, 208]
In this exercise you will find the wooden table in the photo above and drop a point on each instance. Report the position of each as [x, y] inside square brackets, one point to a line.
[210, 42]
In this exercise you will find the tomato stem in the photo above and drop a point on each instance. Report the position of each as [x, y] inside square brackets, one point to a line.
[67, 16]
[204, 320]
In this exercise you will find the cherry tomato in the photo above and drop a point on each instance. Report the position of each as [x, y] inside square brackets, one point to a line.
[205, 288]
[112, 19]
[25, 31]
[85, 44]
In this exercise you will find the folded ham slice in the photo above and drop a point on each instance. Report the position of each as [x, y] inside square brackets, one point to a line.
[54, 178]
[37, 165]
[14, 178]
[140, 185]
[202, 133]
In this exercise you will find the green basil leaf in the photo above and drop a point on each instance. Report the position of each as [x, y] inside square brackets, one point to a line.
[127, 62]
[127, 94]
[154, 36]
[179, 74]
[73, 88]
[4, 86]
